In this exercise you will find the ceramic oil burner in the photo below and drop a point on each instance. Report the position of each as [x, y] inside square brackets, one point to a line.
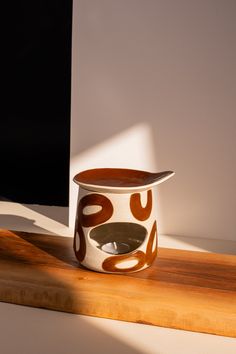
[116, 230]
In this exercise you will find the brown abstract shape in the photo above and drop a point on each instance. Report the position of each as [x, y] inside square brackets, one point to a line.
[110, 264]
[137, 210]
[150, 254]
[90, 220]
[80, 254]
[99, 217]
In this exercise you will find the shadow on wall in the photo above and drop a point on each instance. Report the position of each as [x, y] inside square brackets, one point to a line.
[59, 214]
[33, 218]
[10, 222]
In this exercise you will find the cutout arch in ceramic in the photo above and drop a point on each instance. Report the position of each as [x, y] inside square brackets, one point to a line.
[116, 227]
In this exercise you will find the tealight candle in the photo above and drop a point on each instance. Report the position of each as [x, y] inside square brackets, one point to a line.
[115, 247]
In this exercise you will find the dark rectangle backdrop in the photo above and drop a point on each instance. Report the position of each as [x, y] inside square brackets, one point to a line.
[35, 112]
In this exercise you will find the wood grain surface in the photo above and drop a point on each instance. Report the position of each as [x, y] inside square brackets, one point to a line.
[186, 290]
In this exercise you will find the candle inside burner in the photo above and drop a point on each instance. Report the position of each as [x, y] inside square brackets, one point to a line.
[115, 247]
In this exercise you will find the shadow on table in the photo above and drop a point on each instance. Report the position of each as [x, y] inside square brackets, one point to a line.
[26, 256]
[56, 213]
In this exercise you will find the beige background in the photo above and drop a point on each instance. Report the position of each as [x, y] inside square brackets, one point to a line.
[154, 86]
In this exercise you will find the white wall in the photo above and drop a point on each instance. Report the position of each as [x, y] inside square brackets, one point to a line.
[167, 68]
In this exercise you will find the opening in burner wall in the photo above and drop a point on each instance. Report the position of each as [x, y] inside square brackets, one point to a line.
[118, 237]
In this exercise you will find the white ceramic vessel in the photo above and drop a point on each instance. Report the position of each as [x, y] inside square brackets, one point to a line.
[116, 228]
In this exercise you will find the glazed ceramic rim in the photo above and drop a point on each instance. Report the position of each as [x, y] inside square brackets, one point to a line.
[115, 189]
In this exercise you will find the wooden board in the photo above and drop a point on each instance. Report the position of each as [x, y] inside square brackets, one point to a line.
[187, 290]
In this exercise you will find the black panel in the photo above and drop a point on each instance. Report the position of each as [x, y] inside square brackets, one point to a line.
[35, 113]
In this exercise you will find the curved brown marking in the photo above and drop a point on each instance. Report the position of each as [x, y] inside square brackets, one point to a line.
[80, 254]
[90, 220]
[136, 208]
[110, 263]
[150, 254]
[97, 218]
